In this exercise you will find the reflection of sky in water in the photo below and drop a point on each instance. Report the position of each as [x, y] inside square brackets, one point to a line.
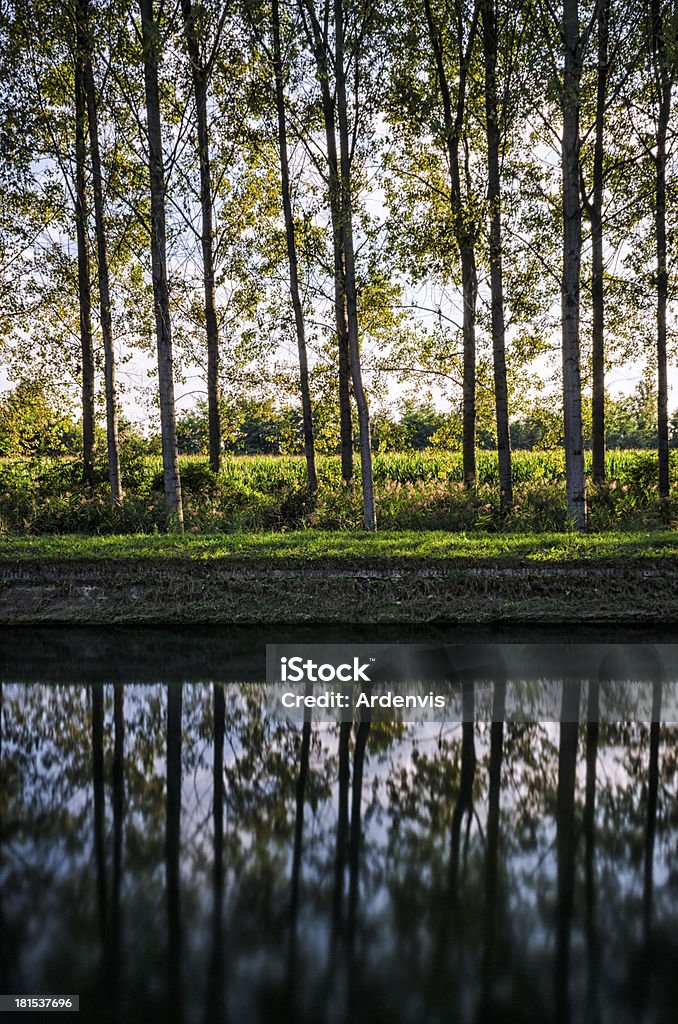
[49, 869]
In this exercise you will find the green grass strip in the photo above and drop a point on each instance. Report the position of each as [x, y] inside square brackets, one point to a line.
[312, 545]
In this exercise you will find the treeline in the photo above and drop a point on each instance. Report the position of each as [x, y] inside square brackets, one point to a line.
[34, 425]
[470, 196]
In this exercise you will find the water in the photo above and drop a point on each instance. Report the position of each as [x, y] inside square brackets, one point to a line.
[170, 851]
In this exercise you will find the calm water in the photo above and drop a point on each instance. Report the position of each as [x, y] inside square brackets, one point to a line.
[170, 852]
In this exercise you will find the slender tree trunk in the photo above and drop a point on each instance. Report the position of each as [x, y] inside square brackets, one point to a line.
[597, 266]
[102, 261]
[97, 692]
[199, 75]
[172, 848]
[118, 818]
[342, 825]
[490, 40]
[309, 443]
[464, 803]
[297, 854]
[340, 315]
[84, 279]
[342, 822]
[565, 844]
[345, 413]
[574, 443]
[664, 85]
[652, 798]
[170, 457]
[470, 293]
[593, 951]
[464, 228]
[492, 856]
[367, 478]
[216, 968]
[356, 826]
[662, 299]
[496, 758]
[317, 42]
[302, 779]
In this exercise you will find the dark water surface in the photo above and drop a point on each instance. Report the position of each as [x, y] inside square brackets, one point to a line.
[170, 852]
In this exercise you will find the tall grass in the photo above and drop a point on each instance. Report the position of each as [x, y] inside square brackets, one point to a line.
[415, 490]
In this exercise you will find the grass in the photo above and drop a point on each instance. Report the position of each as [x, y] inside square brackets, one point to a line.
[314, 545]
[415, 491]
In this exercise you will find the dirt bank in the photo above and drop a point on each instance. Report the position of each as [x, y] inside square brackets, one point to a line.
[378, 591]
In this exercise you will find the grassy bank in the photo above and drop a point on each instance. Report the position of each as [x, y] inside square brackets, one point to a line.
[318, 545]
[312, 577]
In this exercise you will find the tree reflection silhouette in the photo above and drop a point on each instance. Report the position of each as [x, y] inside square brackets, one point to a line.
[483, 862]
[172, 854]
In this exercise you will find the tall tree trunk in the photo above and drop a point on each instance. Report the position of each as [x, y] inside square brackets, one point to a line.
[464, 228]
[492, 855]
[318, 42]
[97, 692]
[118, 819]
[300, 800]
[597, 266]
[593, 950]
[490, 42]
[150, 30]
[172, 849]
[84, 280]
[464, 802]
[342, 826]
[295, 881]
[652, 798]
[216, 972]
[113, 449]
[340, 314]
[662, 298]
[575, 481]
[369, 510]
[356, 825]
[345, 413]
[309, 443]
[664, 84]
[565, 844]
[199, 76]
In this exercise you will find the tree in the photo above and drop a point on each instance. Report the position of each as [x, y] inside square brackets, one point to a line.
[575, 480]
[330, 57]
[274, 53]
[490, 13]
[464, 27]
[664, 64]
[85, 59]
[33, 424]
[81, 224]
[150, 36]
[594, 210]
[201, 69]
[319, 41]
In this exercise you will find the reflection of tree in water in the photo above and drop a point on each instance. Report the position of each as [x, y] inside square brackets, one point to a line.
[178, 829]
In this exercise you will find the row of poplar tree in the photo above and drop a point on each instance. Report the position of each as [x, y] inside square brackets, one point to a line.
[497, 141]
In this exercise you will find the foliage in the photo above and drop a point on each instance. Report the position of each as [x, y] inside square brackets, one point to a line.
[252, 427]
[33, 424]
[415, 491]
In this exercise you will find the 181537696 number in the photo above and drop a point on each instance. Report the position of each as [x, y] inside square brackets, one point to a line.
[38, 1002]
